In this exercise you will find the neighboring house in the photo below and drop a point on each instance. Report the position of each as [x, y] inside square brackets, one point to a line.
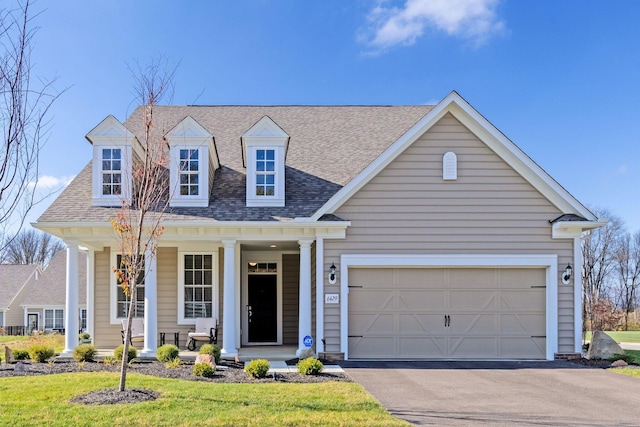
[14, 279]
[43, 304]
[378, 232]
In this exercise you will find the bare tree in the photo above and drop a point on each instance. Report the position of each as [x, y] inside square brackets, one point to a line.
[138, 224]
[627, 267]
[598, 262]
[31, 247]
[23, 116]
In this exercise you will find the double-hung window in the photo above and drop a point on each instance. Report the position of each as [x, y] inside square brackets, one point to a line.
[189, 172]
[265, 172]
[53, 318]
[111, 172]
[123, 300]
[197, 286]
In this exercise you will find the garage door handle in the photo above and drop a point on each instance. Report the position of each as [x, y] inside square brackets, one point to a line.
[447, 320]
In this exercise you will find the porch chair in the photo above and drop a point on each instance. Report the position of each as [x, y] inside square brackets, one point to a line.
[137, 330]
[206, 330]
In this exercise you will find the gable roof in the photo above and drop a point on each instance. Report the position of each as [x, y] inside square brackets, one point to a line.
[457, 106]
[328, 147]
[50, 288]
[12, 278]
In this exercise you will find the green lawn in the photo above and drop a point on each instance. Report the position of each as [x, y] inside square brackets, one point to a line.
[621, 336]
[44, 400]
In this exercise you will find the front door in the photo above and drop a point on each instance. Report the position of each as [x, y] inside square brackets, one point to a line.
[262, 308]
[32, 322]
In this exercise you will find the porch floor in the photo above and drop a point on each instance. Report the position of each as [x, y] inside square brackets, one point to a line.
[269, 352]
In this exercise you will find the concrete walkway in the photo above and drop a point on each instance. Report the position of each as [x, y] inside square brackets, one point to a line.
[501, 393]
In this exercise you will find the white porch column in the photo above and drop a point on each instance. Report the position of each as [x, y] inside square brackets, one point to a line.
[71, 312]
[229, 348]
[90, 292]
[320, 274]
[304, 305]
[150, 306]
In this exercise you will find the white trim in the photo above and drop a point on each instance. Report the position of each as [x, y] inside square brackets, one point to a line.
[577, 293]
[260, 256]
[113, 285]
[486, 132]
[215, 290]
[319, 294]
[550, 262]
[91, 286]
[2, 318]
[277, 199]
[573, 229]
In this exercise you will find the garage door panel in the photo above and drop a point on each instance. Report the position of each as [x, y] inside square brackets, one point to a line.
[522, 301]
[522, 278]
[380, 300]
[474, 324]
[523, 324]
[522, 348]
[473, 347]
[371, 278]
[423, 301]
[365, 347]
[422, 347]
[473, 300]
[421, 278]
[417, 323]
[371, 324]
[473, 278]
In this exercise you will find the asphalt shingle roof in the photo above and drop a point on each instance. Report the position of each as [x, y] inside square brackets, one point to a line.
[50, 288]
[328, 147]
[12, 278]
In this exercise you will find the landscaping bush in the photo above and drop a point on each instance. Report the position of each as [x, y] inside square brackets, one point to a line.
[40, 353]
[257, 368]
[20, 354]
[167, 352]
[203, 370]
[629, 358]
[310, 366]
[84, 336]
[212, 350]
[84, 353]
[173, 363]
[132, 353]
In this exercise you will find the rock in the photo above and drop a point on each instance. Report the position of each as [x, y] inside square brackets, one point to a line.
[307, 352]
[603, 346]
[206, 358]
[8, 355]
[619, 364]
[21, 367]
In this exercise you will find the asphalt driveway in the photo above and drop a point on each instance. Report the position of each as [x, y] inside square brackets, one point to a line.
[501, 393]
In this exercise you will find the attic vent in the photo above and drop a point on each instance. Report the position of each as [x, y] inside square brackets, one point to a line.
[449, 166]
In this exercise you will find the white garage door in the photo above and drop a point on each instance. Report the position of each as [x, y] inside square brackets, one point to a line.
[460, 313]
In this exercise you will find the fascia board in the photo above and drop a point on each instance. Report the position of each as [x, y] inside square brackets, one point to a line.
[486, 132]
[572, 229]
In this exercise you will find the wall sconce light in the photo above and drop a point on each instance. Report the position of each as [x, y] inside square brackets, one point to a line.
[566, 276]
[332, 274]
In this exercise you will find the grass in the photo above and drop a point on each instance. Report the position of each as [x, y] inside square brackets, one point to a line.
[621, 336]
[631, 372]
[53, 340]
[44, 400]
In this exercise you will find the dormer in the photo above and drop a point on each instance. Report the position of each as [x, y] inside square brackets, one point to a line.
[115, 148]
[264, 149]
[194, 161]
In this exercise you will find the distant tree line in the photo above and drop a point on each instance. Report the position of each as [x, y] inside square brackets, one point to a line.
[611, 276]
[30, 246]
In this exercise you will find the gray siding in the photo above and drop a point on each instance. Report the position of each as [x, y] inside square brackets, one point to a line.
[290, 295]
[490, 208]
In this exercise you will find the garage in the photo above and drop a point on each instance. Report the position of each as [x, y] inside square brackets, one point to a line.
[447, 313]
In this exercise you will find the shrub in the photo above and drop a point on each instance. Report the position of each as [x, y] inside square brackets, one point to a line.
[257, 368]
[211, 349]
[84, 353]
[20, 354]
[132, 353]
[626, 357]
[40, 353]
[173, 363]
[310, 366]
[84, 336]
[167, 352]
[203, 370]
[109, 360]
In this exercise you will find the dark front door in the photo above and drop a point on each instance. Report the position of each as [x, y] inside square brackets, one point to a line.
[263, 305]
[32, 320]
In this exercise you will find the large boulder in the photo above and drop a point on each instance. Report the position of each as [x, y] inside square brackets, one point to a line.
[8, 355]
[603, 346]
[206, 358]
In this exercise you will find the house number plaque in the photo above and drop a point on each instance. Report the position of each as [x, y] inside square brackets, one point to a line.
[332, 298]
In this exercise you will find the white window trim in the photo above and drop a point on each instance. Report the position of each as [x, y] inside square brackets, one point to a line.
[277, 199]
[2, 319]
[99, 199]
[216, 295]
[550, 262]
[113, 294]
[202, 199]
[44, 321]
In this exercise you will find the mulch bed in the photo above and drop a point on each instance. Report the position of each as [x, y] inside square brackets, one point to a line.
[234, 373]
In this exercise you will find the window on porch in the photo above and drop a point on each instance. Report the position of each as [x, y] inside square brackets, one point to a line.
[123, 300]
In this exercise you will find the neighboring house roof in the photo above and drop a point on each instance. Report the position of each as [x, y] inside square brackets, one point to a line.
[50, 288]
[12, 278]
[328, 147]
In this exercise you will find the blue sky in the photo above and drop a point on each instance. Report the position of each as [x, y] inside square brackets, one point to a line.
[560, 79]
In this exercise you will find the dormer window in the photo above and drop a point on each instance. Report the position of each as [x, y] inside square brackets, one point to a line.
[264, 149]
[193, 163]
[115, 149]
[111, 171]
